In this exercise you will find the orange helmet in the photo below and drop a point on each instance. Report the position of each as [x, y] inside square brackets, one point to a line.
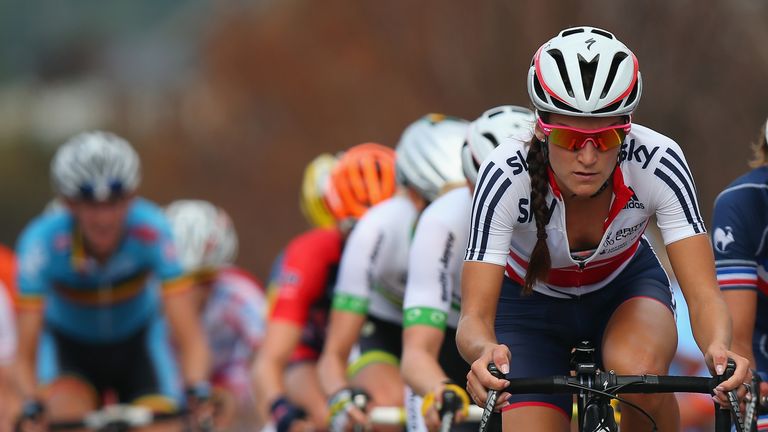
[363, 176]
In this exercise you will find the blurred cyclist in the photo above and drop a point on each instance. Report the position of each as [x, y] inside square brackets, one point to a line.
[430, 363]
[8, 393]
[90, 326]
[368, 297]
[739, 222]
[303, 278]
[231, 303]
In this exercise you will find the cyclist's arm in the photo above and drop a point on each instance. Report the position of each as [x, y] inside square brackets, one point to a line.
[738, 214]
[269, 368]
[419, 365]
[694, 266]
[181, 310]
[343, 332]
[29, 326]
[742, 305]
[480, 288]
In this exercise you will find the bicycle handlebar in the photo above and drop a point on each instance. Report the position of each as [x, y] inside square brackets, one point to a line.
[613, 383]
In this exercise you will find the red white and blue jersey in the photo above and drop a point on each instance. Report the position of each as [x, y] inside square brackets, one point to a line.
[234, 319]
[652, 178]
[301, 287]
[740, 228]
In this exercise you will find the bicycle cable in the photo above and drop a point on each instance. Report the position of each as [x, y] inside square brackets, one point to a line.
[614, 396]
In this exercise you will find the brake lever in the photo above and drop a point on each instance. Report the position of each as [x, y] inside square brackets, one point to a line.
[490, 403]
[733, 398]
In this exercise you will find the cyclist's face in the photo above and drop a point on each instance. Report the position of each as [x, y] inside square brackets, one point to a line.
[581, 173]
[102, 223]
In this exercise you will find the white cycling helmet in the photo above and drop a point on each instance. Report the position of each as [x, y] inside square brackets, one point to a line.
[95, 166]
[204, 235]
[585, 71]
[428, 156]
[495, 126]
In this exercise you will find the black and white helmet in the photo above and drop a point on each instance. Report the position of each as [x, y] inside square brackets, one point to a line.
[495, 126]
[95, 166]
[428, 156]
[204, 235]
[585, 71]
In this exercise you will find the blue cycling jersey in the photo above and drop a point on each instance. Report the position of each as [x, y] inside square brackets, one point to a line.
[740, 223]
[91, 301]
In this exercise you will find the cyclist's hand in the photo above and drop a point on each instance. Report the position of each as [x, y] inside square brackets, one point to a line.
[200, 403]
[479, 379]
[287, 417]
[433, 404]
[344, 412]
[32, 417]
[716, 358]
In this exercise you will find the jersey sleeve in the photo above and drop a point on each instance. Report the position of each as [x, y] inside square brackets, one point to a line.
[33, 257]
[739, 222]
[677, 209]
[358, 263]
[165, 261]
[252, 316]
[301, 275]
[494, 212]
[431, 267]
[7, 330]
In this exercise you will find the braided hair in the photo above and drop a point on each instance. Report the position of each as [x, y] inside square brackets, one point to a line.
[540, 261]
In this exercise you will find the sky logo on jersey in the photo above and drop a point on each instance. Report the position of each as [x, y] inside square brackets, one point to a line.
[722, 238]
[634, 202]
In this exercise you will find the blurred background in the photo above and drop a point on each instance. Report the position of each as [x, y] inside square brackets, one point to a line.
[228, 100]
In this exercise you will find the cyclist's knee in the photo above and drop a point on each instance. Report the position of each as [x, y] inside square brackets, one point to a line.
[70, 397]
[649, 402]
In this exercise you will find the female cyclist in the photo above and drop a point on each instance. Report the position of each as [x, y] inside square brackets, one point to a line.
[302, 284]
[556, 252]
[432, 293]
[368, 297]
[740, 221]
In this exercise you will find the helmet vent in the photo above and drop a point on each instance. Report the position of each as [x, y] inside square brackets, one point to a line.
[617, 59]
[610, 108]
[495, 113]
[588, 71]
[491, 138]
[558, 56]
[572, 31]
[602, 33]
[537, 88]
[564, 106]
[633, 94]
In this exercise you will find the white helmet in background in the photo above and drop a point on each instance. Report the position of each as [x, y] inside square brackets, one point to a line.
[585, 71]
[494, 127]
[204, 235]
[95, 166]
[428, 156]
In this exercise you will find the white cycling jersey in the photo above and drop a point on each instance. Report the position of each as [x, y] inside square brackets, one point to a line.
[433, 291]
[374, 264]
[7, 329]
[652, 178]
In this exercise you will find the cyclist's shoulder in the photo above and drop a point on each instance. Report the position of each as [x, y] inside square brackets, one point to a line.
[748, 191]
[450, 208]
[322, 241]
[645, 149]
[146, 221]
[46, 229]
[387, 216]
[390, 210]
[240, 279]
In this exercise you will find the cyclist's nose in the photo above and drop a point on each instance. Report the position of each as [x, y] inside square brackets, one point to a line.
[587, 154]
